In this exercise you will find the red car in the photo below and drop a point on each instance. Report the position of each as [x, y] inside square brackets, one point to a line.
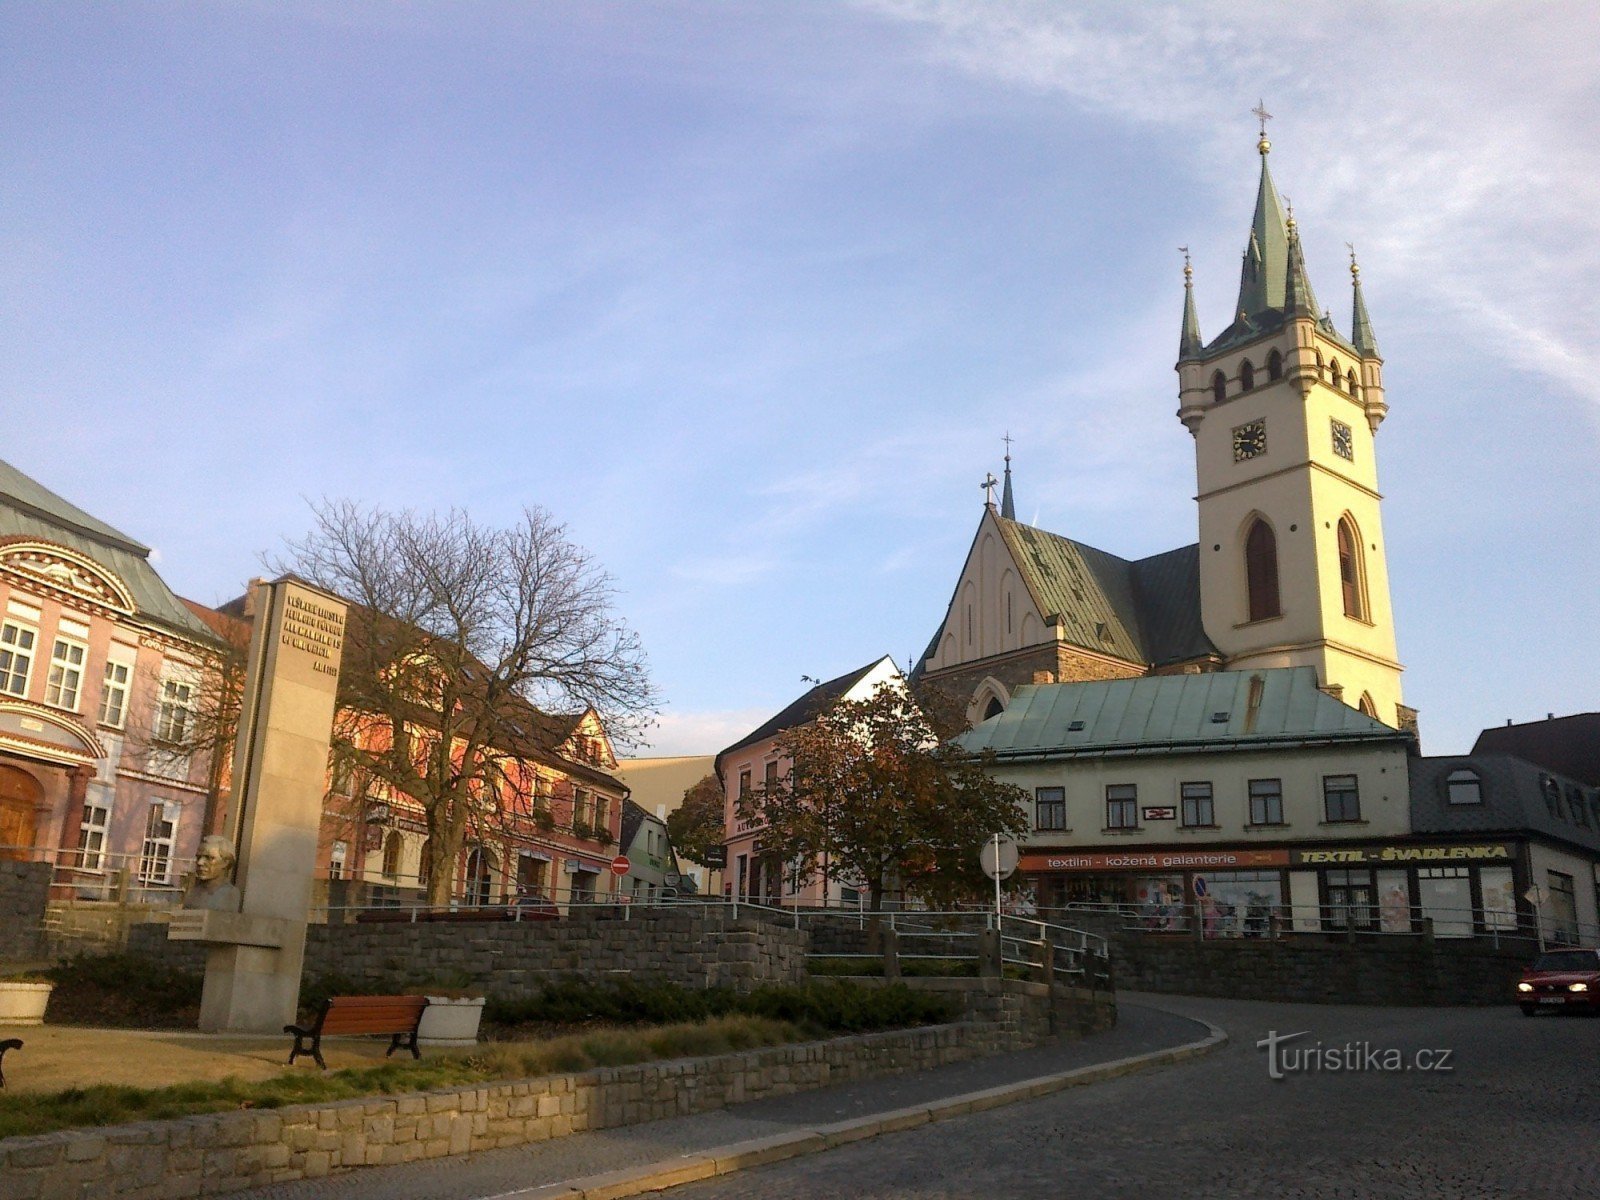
[1561, 981]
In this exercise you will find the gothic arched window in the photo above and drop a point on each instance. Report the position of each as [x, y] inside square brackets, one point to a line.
[1350, 383]
[995, 708]
[1350, 570]
[1335, 378]
[1367, 706]
[1247, 376]
[1274, 365]
[1261, 570]
[1219, 387]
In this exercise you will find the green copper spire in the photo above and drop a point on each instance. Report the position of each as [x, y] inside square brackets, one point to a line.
[1361, 324]
[1008, 506]
[1189, 343]
[1266, 255]
[1298, 297]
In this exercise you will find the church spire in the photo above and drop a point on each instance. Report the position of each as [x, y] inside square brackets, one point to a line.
[1266, 254]
[1189, 342]
[1298, 297]
[1008, 506]
[1360, 324]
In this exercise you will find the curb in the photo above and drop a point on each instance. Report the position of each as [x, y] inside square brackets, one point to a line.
[758, 1152]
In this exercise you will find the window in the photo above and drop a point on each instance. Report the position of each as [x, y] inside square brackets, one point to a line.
[480, 878]
[92, 829]
[1050, 808]
[176, 712]
[1198, 807]
[1219, 388]
[1341, 799]
[771, 776]
[66, 674]
[1551, 791]
[994, 709]
[1350, 570]
[1122, 806]
[16, 658]
[393, 846]
[1563, 907]
[114, 694]
[1261, 570]
[160, 831]
[1463, 787]
[1350, 382]
[744, 784]
[1576, 806]
[336, 860]
[1247, 376]
[1266, 802]
[1275, 365]
[423, 864]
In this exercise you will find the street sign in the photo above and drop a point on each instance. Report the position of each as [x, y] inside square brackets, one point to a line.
[999, 857]
[620, 865]
[672, 879]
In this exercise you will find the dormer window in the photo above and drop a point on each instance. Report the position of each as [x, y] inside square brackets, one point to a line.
[1462, 786]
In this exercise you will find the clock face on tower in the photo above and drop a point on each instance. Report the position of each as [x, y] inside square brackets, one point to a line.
[1249, 441]
[1342, 445]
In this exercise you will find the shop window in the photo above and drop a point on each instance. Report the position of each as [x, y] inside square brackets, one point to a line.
[1446, 895]
[1463, 786]
[1563, 907]
[1122, 806]
[1050, 808]
[1198, 806]
[1238, 903]
[1350, 901]
[1341, 798]
[1499, 890]
[16, 658]
[1266, 802]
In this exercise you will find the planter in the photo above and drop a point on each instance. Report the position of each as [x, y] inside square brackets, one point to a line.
[450, 1021]
[23, 1003]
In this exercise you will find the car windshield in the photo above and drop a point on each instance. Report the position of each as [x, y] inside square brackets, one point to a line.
[1568, 960]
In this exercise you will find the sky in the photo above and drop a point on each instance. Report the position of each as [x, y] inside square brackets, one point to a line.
[747, 294]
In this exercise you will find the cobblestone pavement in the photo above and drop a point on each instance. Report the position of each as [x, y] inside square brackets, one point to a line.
[496, 1172]
[1518, 1115]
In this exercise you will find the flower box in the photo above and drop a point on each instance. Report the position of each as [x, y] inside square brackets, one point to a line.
[23, 1003]
[450, 1021]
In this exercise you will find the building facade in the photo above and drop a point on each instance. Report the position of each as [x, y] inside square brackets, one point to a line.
[101, 675]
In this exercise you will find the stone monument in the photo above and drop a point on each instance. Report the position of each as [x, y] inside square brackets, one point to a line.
[213, 877]
[280, 766]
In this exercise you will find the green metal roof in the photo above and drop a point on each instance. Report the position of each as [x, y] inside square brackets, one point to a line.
[1164, 713]
[28, 509]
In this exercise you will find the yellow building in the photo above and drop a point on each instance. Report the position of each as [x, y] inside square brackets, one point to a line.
[1289, 569]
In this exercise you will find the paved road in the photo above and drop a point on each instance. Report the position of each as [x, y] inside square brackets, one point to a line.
[1518, 1116]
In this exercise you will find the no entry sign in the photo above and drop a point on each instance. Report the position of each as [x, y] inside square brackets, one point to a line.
[620, 865]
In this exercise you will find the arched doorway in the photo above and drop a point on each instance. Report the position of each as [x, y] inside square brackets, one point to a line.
[480, 877]
[20, 797]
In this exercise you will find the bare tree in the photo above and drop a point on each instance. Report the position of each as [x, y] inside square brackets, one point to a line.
[459, 639]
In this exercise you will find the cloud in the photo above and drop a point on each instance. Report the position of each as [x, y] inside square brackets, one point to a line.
[725, 571]
[1483, 147]
[703, 732]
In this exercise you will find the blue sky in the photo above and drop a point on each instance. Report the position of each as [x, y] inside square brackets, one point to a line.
[748, 293]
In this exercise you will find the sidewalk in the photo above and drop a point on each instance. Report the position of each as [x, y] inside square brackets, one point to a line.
[639, 1158]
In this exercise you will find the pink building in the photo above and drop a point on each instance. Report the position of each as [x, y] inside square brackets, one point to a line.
[753, 874]
[101, 671]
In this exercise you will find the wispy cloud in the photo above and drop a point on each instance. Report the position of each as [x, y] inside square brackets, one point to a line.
[704, 732]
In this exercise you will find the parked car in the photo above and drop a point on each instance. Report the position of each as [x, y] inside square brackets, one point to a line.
[535, 906]
[1561, 981]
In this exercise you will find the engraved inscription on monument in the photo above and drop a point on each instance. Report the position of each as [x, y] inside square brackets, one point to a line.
[316, 629]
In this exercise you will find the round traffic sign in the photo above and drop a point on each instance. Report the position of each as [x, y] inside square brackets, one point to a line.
[998, 857]
[620, 865]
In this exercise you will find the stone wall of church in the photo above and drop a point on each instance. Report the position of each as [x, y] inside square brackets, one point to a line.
[1064, 664]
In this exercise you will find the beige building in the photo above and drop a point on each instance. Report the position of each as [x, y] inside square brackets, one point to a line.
[1289, 569]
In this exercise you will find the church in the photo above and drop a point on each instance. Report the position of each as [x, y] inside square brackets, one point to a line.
[1288, 569]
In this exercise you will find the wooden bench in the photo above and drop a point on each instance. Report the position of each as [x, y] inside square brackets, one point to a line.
[8, 1044]
[397, 1016]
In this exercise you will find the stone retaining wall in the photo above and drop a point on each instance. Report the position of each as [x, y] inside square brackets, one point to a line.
[224, 1152]
[699, 947]
[24, 892]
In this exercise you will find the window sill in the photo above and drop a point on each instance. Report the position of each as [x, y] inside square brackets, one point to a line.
[1268, 827]
[1196, 828]
[1053, 829]
[1259, 621]
[1354, 821]
[1360, 620]
[1123, 829]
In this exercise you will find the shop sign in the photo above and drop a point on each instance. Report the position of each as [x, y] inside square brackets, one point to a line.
[1365, 855]
[1158, 814]
[1156, 860]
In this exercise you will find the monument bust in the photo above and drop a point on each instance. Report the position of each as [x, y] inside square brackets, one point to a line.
[213, 888]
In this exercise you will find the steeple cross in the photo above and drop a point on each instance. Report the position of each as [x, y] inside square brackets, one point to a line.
[1260, 110]
[988, 485]
[1007, 441]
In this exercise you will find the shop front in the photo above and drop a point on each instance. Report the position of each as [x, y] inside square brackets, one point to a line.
[1463, 889]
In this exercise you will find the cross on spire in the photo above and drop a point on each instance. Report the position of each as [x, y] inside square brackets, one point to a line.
[1007, 440]
[988, 485]
[1260, 110]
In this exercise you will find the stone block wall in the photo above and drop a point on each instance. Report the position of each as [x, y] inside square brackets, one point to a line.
[698, 947]
[224, 1152]
[24, 892]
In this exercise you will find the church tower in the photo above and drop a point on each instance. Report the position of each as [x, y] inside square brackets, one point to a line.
[1285, 411]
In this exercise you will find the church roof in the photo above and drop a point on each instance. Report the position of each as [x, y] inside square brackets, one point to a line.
[28, 509]
[1145, 611]
[1216, 711]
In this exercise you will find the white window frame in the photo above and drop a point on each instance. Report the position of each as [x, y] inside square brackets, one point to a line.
[57, 691]
[338, 858]
[94, 826]
[160, 839]
[169, 703]
[113, 686]
[12, 634]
